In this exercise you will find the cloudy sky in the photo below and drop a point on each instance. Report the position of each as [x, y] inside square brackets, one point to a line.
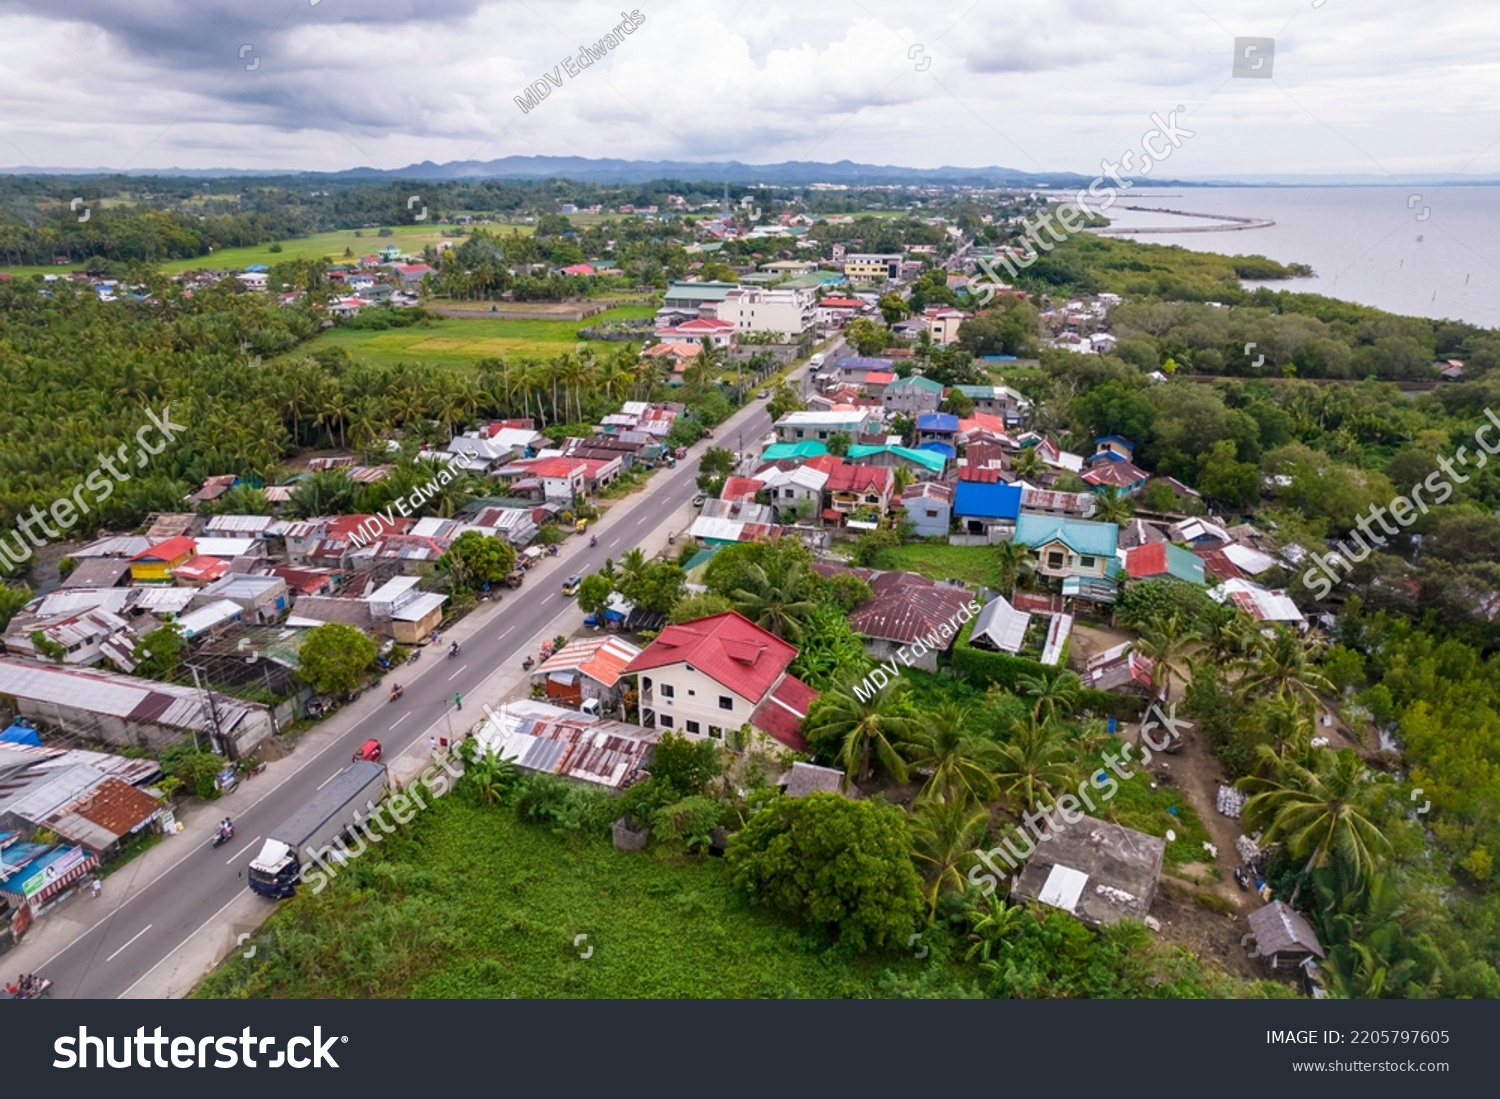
[1357, 87]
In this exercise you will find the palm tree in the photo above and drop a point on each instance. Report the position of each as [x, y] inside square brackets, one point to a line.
[991, 926]
[958, 761]
[1111, 505]
[867, 729]
[1228, 636]
[1164, 643]
[779, 605]
[1322, 813]
[1051, 693]
[1027, 463]
[1035, 760]
[1284, 664]
[1012, 558]
[944, 834]
[633, 568]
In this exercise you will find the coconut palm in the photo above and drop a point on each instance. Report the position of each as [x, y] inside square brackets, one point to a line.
[1227, 636]
[1012, 558]
[778, 604]
[1165, 644]
[1027, 463]
[1322, 813]
[866, 730]
[956, 758]
[1111, 505]
[1284, 665]
[1035, 760]
[1052, 694]
[944, 834]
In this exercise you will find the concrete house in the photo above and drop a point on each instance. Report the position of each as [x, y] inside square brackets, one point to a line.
[928, 505]
[1069, 547]
[796, 427]
[912, 396]
[984, 506]
[713, 675]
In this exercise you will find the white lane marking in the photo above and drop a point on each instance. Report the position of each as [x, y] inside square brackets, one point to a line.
[399, 720]
[451, 678]
[329, 779]
[502, 636]
[241, 851]
[173, 952]
[133, 938]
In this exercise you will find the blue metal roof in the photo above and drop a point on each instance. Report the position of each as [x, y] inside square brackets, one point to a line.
[864, 362]
[987, 501]
[940, 448]
[937, 421]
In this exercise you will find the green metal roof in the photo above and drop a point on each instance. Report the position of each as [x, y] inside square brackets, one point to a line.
[1079, 535]
[915, 381]
[810, 448]
[927, 459]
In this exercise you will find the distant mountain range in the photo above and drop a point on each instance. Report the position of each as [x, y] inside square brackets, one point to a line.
[790, 173]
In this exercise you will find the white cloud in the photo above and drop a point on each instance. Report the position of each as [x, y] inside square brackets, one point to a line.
[159, 83]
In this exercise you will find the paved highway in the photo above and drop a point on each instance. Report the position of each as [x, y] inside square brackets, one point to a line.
[184, 894]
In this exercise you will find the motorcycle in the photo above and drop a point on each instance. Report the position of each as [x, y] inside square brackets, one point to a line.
[593, 541]
[223, 836]
[453, 650]
[526, 664]
[552, 551]
[412, 659]
[397, 692]
[1242, 879]
[672, 538]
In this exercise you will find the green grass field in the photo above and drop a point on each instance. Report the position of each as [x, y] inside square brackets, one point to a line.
[465, 902]
[971, 564]
[411, 238]
[460, 341]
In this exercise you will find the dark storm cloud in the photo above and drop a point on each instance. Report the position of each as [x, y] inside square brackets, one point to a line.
[195, 33]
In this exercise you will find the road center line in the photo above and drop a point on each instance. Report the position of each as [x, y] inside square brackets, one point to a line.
[329, 779]
[399, 720]
[241, 851]
[454, 676]
[502, 636]
[133, 938]
[179, 946]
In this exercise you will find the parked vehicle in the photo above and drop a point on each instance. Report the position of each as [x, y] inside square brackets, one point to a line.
[580, 526]
[369, 750]
[252, 767]
[349, 797]
[527, 664]
[514, 579]
[699, 500]
[412, 656]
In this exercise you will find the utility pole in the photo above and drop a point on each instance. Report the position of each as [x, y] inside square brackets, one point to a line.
[211, 710]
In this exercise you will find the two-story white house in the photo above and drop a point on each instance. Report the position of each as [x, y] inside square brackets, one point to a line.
[710, 677]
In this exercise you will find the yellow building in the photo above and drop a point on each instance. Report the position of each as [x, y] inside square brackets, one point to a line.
[155, 565]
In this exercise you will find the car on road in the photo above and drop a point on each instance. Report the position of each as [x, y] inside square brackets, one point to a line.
[369, 751]
[570, 585]
[762, 394]
[699, 500]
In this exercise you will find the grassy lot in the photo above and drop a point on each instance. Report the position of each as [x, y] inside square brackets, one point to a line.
[1155, 811]
[411, 238]
[465, 902]
[971, 564]
[459, 341]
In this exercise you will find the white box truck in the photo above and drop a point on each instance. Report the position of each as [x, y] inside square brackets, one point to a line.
[350, 797]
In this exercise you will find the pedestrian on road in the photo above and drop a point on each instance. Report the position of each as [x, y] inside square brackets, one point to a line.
[97, 886]
[458, 702]
[432, 744]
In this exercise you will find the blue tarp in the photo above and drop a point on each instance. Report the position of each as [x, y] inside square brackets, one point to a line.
[21, 734]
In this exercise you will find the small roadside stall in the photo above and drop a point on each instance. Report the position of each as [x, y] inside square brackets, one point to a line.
[34, 877]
